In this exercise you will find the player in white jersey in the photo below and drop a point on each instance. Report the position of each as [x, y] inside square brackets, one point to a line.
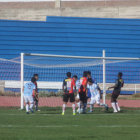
[95, 95]
[29, 88]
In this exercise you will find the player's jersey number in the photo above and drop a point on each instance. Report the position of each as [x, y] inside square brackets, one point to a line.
[29, 86]
[69, 85]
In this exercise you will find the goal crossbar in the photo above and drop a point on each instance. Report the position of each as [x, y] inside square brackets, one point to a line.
[81, 57]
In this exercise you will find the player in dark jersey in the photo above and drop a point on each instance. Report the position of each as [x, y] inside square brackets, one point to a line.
[116, 92]
[82, 92]
[36, 96]
[68, 88]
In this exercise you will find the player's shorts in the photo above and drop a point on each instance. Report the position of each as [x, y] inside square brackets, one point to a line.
[89, 94]
[77, 96]
[69, 97]
[83, 97]
[95, 99]
[115, 95]
[35, 99]
[28, 99]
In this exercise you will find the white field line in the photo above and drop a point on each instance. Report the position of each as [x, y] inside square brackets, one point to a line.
[62, 126]
[36, 126]
[116, 126]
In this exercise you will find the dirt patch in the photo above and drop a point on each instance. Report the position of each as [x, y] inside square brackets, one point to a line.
[7, 101]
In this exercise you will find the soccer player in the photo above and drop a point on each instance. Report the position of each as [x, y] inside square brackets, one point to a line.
[95, 82]
[90, 76]
[68, 86]
[36, 95]
[75, 78]
[95, 95]
[83, 93]
[29, 88]
[116, 92]
[77, 99]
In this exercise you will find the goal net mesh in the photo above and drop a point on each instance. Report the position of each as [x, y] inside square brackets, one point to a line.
[131, 74]
[52, 71]
[10, 82]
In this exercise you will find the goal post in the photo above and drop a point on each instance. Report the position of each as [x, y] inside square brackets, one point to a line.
[104, 77]
[22, 80]
[52, 69]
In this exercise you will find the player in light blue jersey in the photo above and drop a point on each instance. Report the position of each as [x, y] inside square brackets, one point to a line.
[95, 95]
[29, 89]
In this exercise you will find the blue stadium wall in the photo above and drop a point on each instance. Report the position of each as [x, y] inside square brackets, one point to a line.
[73, 36]
[69, 36]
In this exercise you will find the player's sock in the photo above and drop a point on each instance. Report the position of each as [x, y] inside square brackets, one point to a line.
[105, 105]
[73, 108]
[27, 108]
[63, 108]
[101, 104]
[31, 107]
[114, 107]
[79, 107]
[78, 104]
[36, 106]
[84, 109]
[117, 106]
[91, 107]
[88, 103]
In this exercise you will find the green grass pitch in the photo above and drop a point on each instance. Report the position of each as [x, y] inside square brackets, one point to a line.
[50, 125]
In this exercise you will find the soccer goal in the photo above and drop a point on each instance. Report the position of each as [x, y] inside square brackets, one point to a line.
[52, 70]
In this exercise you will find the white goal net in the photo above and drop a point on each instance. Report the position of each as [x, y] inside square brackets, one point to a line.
[52, 71]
